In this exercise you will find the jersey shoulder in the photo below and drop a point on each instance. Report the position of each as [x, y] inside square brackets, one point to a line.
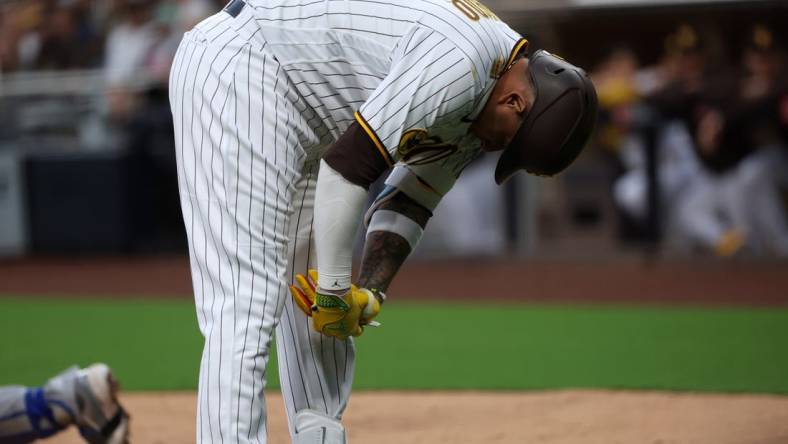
[474, 29]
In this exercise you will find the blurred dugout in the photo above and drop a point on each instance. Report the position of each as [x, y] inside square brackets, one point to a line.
[85, 128]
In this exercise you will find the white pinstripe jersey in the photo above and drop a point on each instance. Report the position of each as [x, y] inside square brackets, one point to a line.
[415, 70]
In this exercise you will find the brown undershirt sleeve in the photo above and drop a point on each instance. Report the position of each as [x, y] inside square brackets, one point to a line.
[355, 157]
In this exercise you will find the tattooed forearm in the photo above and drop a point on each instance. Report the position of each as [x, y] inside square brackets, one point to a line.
[384, 252]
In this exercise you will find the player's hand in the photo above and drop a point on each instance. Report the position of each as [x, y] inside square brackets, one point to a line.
[335, 315]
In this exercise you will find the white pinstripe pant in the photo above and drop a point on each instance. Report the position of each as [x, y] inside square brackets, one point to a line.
[247, 194]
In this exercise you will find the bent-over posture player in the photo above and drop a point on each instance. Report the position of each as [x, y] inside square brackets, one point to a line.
[285, 111]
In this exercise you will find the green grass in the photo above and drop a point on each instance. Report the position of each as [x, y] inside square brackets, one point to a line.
[149, 344]
[156, 345]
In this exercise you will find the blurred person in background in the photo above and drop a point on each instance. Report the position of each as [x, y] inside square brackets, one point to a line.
[89, 26]
[19, 34]
[719, 155]
[633, 97]
[11, 30]
[616, 137]
[139, 54]
[135, 119]
[140, 47]
[68, 38]
[741, 142]
[49, 35]
[616, 83]
[126, 53]
[687, 76]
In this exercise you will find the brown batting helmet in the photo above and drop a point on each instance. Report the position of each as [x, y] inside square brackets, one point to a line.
[559, 122]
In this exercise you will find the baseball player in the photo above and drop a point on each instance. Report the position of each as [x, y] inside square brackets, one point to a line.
[85, 397]
[285, 111]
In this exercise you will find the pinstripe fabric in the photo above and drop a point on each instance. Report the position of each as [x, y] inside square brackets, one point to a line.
[402, 64]
[325, 378]
[256, 99]
[238, 164]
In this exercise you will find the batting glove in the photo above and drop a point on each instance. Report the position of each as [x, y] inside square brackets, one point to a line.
[334, 315]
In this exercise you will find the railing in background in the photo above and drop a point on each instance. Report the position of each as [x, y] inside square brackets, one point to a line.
[51, 83]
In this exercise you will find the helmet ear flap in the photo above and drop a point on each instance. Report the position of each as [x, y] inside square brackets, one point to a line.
[552, 127]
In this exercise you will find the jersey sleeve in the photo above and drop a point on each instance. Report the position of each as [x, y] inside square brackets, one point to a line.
[431, 83]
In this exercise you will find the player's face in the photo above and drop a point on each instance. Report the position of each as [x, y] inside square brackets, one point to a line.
[506, 108]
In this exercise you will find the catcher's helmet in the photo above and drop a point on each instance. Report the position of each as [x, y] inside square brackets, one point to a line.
[558, 124]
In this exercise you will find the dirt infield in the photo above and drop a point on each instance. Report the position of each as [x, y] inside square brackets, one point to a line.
[674, 282]
[563, 417]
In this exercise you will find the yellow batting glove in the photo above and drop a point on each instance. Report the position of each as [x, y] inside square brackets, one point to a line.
[304, 294]
[335, 315]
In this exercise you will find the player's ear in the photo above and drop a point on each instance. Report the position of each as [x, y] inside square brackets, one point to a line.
[515, 100]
